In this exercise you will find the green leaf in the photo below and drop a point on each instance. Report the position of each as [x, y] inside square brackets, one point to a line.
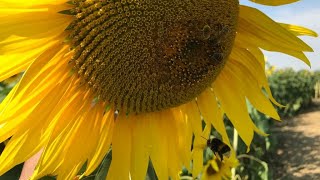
[13, 174]
[104, 167]
[151, 174]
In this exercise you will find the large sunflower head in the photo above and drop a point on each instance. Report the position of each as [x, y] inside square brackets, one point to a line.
[146, 56]
[141, 75]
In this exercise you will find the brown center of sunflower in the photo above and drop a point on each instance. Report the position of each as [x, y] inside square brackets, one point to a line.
[149, 55]
[210, 171]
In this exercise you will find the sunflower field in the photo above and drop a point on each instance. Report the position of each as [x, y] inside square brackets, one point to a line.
[295, 91]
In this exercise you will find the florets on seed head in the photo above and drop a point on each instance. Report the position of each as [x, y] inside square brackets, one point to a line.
[149, 55]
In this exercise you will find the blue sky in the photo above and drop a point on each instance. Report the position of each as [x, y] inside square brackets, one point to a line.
[305, 13]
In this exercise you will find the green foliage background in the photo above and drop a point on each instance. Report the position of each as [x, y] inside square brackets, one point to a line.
[293, 89]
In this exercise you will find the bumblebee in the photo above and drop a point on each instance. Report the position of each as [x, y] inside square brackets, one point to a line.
[218, 147]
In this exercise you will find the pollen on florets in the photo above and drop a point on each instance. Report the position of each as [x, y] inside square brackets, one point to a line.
[149, 55]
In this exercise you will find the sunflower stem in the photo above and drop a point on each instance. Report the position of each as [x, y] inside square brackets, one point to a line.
[262, 163]
[235, 147]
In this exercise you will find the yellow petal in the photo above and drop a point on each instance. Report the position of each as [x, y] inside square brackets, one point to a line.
[208, 106]
[184, 133]
[25, 33]
[65, 126]
[35, 85]
[106, 132]
[274, 2]
[16, 111]
[160, 146]
[259, 59]
[259, 25]
[141, 146]
[251, 78]
[197, 153]
[31, 91]
[30, 3]
[121, 149]
[256, 29]
[299, 30]
[193, 116]
[197, 164]
[11, 66]
[234, 105]
[81, 143]
[29, 138]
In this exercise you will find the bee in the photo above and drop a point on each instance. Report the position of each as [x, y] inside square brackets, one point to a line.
[217, 147]
[206, 32]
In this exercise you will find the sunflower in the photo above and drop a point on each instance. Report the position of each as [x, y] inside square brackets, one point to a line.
[216, 169]
[136, 74]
